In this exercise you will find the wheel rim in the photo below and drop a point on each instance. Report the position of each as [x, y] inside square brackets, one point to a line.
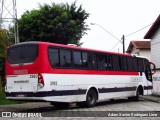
[91, 99]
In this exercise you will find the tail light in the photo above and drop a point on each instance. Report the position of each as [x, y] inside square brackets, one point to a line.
[40, 82]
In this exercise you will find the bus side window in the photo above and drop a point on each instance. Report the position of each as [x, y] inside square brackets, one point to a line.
[65, 58]
[92, 61]
[85, 60]
[124, 63]
[140, 65]
[101, 61]
[116, 62]
[108, 62]
[77, 59]
[135, 64]
[53, 55]
[130, 64]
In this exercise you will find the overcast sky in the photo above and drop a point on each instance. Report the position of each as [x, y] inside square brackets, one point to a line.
[116, 16]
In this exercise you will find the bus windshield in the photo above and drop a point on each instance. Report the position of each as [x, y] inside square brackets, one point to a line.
[19, 54]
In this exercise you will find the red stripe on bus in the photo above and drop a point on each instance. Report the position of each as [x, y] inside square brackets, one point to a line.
[92, 72]
[69, 71]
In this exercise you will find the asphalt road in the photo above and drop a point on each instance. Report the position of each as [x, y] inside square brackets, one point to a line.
[117, 109]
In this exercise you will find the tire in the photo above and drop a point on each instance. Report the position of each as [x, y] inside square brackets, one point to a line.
[91, 98]
[136, 98]
[137, 95]
[60, 105]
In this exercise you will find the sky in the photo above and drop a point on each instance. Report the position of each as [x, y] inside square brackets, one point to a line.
[118, 17]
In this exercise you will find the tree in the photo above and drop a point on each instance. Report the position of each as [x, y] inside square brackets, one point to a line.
[5, 41]
[58, 23]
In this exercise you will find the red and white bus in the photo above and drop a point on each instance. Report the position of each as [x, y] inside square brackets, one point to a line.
[65, 74]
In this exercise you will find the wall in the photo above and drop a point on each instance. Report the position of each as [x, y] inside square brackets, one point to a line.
[155, 48]
[146, 53]
[134, 51]
[156, 83]
[142, 52]
[155, 58]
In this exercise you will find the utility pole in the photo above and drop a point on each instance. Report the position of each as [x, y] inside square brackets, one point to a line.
[123, 42]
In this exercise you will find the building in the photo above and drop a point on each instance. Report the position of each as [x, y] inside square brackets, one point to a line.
[140, 48]
[154, 34]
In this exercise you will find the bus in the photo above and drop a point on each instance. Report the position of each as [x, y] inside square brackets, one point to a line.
[63, 74]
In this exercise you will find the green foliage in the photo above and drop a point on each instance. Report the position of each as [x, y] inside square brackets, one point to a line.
[58, 23]
[4, 101]
[5, 41]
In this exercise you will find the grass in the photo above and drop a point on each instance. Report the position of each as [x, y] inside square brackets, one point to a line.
[4, 101]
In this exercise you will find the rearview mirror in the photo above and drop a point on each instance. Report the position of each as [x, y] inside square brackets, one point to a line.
[153, 67]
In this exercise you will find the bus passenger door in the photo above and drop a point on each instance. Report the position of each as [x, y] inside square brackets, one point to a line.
[149, 74]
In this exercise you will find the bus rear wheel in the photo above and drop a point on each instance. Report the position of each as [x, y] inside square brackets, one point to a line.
[91, 98]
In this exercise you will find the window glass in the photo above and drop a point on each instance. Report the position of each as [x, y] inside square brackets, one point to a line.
[85, 59]
[77, 59]
[65, 58]
[146, 63]
[140, 65]
[108, 62]
[116, 62]
[22, 53]
[130, 63]
[124, 63]
[147, 70]
[101, 61]
[54, 57]
[135, 64]
[92, 61]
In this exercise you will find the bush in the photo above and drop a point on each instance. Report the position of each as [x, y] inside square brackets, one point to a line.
[4, 101]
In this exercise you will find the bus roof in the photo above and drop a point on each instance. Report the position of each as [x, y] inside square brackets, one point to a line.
[68, 46]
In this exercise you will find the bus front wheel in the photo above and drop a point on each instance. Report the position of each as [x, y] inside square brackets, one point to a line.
[136, 98]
